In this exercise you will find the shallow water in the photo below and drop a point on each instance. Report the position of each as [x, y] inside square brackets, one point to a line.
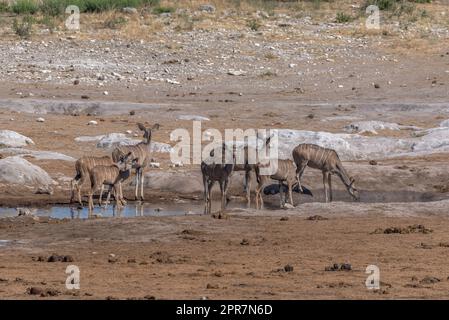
[130, 210]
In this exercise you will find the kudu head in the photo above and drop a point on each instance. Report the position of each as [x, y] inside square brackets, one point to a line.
[147, 131]
[352, 189]
[126, 161]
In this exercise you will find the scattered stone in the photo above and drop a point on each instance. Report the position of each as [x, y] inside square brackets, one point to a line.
[40, 120]
[284, 219]
[76, 82]
[132, 261]
[429, 280]
[244, 242]
[339, 267]
[149, 297]
[92, 123]
[35, 291]
[417, 228]
[212, 286]
[316, 218]
[112, 258]
[376, 85]
[373, 162]
[162, 257]
[288, 268]
[288, 206]
[129, 10]
[207, 8]
[233, 72]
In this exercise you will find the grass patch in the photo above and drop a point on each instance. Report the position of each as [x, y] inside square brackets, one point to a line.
[23, 27]
[162, 9]
[254, 25]
[4, 7]
[24, 7]
[343, 17]
[115, 22]
[268, 74]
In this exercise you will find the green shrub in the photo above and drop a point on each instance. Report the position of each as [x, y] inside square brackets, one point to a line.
[25, 7]
[115, 23]
[24, 27]
[4, 7]
[254, 25]
[343, 17]
[161, 9]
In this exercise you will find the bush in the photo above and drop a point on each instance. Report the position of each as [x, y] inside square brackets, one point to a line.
[25, 7]
[24, 27]
[254, 25]
[343, 17]
[115, 23]
[161, 9]
[4, 7]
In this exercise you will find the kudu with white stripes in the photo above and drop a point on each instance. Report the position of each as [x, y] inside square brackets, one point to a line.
[328, 162]
[141, 155]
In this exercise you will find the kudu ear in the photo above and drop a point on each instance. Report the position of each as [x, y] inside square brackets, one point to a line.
[141, 127]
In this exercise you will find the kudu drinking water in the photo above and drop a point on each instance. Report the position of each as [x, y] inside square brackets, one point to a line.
[328, 162]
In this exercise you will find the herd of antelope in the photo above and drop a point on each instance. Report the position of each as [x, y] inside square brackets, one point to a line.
[113, 171]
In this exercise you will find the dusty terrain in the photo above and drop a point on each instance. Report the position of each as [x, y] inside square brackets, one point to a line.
[300, 71]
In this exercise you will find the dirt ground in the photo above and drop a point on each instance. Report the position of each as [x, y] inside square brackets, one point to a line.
[322, 75]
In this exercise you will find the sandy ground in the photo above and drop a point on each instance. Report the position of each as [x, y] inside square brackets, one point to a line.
[333, 79]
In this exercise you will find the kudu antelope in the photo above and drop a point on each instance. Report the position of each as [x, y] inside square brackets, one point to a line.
[141, 154]
[248, 166]
[216, 172]
[83, 167]
[112, 175]
[285, 172]
[328, 162]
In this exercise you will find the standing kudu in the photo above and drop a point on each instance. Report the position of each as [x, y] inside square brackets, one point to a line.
[83, 167]
[328, 162]
[285, 172]
[216, 172]
[111, 175]
[249, 165]
[141, 154]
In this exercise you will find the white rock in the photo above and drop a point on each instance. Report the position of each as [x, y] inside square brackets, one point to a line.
[37, 154]
[373, 126]
[92, 123]
[16, 170]
[13, 139]
[128, 131]
[233, 72]
[192, 117]
[89, 138]
[105, 93]
[444, 123]
[155, 165]
[40, 120]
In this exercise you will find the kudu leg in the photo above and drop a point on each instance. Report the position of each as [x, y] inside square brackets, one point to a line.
[209, 197]
[101, 195]
[281, 195]
[329, 182]
[142, 177]
[290, 192]
[137, 184]
[325, 186]
[248, 188]
[205, 185]
[299, 172]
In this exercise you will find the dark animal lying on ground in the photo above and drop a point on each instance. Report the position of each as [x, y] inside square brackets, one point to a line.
[274, 189]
